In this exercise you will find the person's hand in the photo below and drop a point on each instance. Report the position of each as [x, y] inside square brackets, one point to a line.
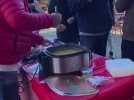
[61, 28]
[57, 17]
[70, 20]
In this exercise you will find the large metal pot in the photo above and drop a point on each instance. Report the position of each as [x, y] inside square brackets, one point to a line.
[66, 63]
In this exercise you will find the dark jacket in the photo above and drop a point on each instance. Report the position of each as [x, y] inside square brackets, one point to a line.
[30, 1]
[71, 33]
[128, 26]
[95, 16]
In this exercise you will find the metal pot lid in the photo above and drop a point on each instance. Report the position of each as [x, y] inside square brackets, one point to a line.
[70, 86]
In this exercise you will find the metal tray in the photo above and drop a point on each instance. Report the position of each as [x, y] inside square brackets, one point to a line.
[70, 86]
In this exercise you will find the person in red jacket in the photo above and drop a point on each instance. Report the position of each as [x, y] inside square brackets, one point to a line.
[16, 39]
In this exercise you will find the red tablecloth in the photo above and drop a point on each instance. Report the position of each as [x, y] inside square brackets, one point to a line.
[120, 89]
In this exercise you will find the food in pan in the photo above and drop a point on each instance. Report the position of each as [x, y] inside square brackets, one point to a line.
[66, 51]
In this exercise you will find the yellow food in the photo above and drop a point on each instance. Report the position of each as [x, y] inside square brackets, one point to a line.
[66, 51]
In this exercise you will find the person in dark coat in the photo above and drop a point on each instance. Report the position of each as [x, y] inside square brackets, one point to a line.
[95, 21]
[127, 45]
[69, 29]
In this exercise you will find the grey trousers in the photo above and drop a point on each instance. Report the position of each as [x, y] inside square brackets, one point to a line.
[96, 44]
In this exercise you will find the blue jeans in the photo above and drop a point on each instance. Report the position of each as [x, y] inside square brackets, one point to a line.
[9, 86]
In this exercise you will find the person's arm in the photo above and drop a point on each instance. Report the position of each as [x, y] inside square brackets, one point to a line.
[123, 5]
[23, 22]
[111, 4]
[51, 6]
[20, 20]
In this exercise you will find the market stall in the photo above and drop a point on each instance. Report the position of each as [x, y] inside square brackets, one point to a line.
[113, 89]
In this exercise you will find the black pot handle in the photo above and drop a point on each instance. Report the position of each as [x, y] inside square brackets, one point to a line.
[46, 63]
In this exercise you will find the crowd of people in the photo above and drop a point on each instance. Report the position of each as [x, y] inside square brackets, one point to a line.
[84, 22]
